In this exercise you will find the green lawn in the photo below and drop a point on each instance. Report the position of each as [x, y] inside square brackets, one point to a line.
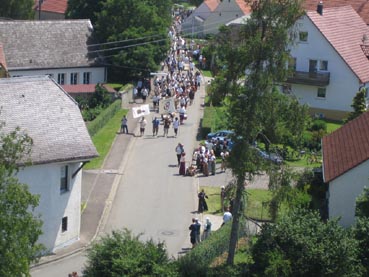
[104, 139]
[332, 126]
[256, 206]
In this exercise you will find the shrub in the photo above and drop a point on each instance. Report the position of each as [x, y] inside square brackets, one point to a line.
[104, 117]
[122, 254]
[318, 125]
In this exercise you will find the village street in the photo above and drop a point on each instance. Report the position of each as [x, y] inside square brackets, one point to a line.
[150, 198]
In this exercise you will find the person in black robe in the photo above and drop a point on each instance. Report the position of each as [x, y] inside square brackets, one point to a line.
[203, 206]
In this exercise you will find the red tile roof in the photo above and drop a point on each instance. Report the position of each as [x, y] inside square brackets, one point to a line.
[55, 6]
[360, 6]
[85, 88]
[2, 57]
[346, 147]
[344, 29]
[246, 9]
[212, 4]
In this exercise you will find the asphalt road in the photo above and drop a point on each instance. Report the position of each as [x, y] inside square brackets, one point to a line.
[151, 198]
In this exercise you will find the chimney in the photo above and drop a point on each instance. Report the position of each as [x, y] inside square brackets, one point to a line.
[319, 8]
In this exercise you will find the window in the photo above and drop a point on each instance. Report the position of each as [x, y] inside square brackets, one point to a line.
[65, 224]
[303, 36]
[292, 64]
[74, 78]
[318, 65]
[86, 77]
[312, 66]
[321, 92]
[323, 65]
[64, 179]
[61, 78]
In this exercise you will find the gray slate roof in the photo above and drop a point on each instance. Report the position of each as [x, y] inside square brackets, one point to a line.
[43, 110]
[46, 44]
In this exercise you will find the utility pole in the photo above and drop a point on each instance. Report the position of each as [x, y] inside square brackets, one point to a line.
[39, 8]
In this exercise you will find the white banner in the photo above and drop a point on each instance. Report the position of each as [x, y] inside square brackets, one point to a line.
[166, 106]
[141, 111]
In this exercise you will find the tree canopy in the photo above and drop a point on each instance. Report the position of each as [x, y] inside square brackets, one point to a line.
[135, 33]
[358, 104]
[84, 9]
[19, 228]
[300, 244]
[20, 9]
[257, 56]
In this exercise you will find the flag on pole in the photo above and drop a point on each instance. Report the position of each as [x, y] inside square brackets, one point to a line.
[166, 106]
[141, 111]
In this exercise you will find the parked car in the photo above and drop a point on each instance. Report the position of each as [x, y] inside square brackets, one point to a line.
[273, 157]
[220, 135]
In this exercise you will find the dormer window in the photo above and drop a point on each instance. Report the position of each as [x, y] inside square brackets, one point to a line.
[303, 36]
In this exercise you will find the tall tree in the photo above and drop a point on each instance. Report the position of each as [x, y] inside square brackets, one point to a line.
[84, 9]
[136, 33]
[262, 53]
[358, 104]
[19, 228]
[20, 9]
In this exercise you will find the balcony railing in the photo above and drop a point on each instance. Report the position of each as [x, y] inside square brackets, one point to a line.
[309, 78]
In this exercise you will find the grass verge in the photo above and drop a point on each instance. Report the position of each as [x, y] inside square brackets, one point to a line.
[257, 207]
[104, 139]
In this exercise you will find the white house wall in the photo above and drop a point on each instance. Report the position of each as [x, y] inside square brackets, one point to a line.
[343, 192]
[343, 84]
[44, 180]
[226, 11]
[98, 74]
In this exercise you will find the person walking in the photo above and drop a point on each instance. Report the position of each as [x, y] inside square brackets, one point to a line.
[179, 150]
[176, 126]
[166, 126]
[155, 126]
[198, 230]
[222, 197]
[227, 216]
[124, 125]
[143, 124]
[182, 164]
[207, 228]
[192, 229]
[203, 206]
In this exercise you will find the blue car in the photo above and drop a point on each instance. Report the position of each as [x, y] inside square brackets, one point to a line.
[220, 135]
[273, 157]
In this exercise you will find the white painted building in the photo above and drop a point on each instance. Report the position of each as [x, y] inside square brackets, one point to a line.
[211, 15]
[62, 49]
[329, 62]
[61, 144]
[346, 167]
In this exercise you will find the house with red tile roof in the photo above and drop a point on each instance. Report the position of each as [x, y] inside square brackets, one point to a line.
[212, 14]
[360, 6]
[50, 9]
[329, 60]
[86, 90]
[346, 167]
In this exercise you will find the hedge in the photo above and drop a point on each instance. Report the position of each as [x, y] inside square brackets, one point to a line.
[197, 261]
[100, 121]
